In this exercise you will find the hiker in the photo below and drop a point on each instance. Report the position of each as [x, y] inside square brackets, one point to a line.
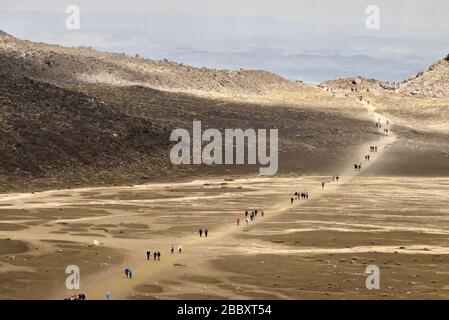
[247, 221]
[322, 185]
[238, 221]
[148, 254]
[338, 178]
[80, 296]
[291, 200]
[246, 213]
[180, 249]
[130, 273]
[172, 249]
[154, 255]
[158, 255]
[201, 232]
[360, 167]
[205, 232]
[127, 272]
[262, 213]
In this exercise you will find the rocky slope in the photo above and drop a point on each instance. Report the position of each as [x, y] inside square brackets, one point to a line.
[47, 131]
[67, 66]
[431, 83]
[76, 116]
[358, 85]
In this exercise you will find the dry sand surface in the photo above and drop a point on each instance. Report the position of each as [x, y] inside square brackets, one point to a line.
[393, 213]
[315, 248]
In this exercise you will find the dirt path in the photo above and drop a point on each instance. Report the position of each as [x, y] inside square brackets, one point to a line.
[145, 274]
[112, 279]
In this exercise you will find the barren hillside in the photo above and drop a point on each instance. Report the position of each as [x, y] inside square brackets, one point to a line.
[73, 65]
[419, 109]
[431, 83]
[358, 85]
[76, 116]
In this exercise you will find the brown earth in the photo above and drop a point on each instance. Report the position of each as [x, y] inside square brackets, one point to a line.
[77, 117]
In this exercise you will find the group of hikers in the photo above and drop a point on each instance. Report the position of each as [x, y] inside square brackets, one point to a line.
[379, 125]
[156, 255]
[128, 272]
[372, 148]
[80, 296]
[302, 195]
[305, 194]
[358, 166]
[205, 232]
[172, 248]
[250, 216]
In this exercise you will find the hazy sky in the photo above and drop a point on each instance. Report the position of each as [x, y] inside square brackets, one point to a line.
[302, 39]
